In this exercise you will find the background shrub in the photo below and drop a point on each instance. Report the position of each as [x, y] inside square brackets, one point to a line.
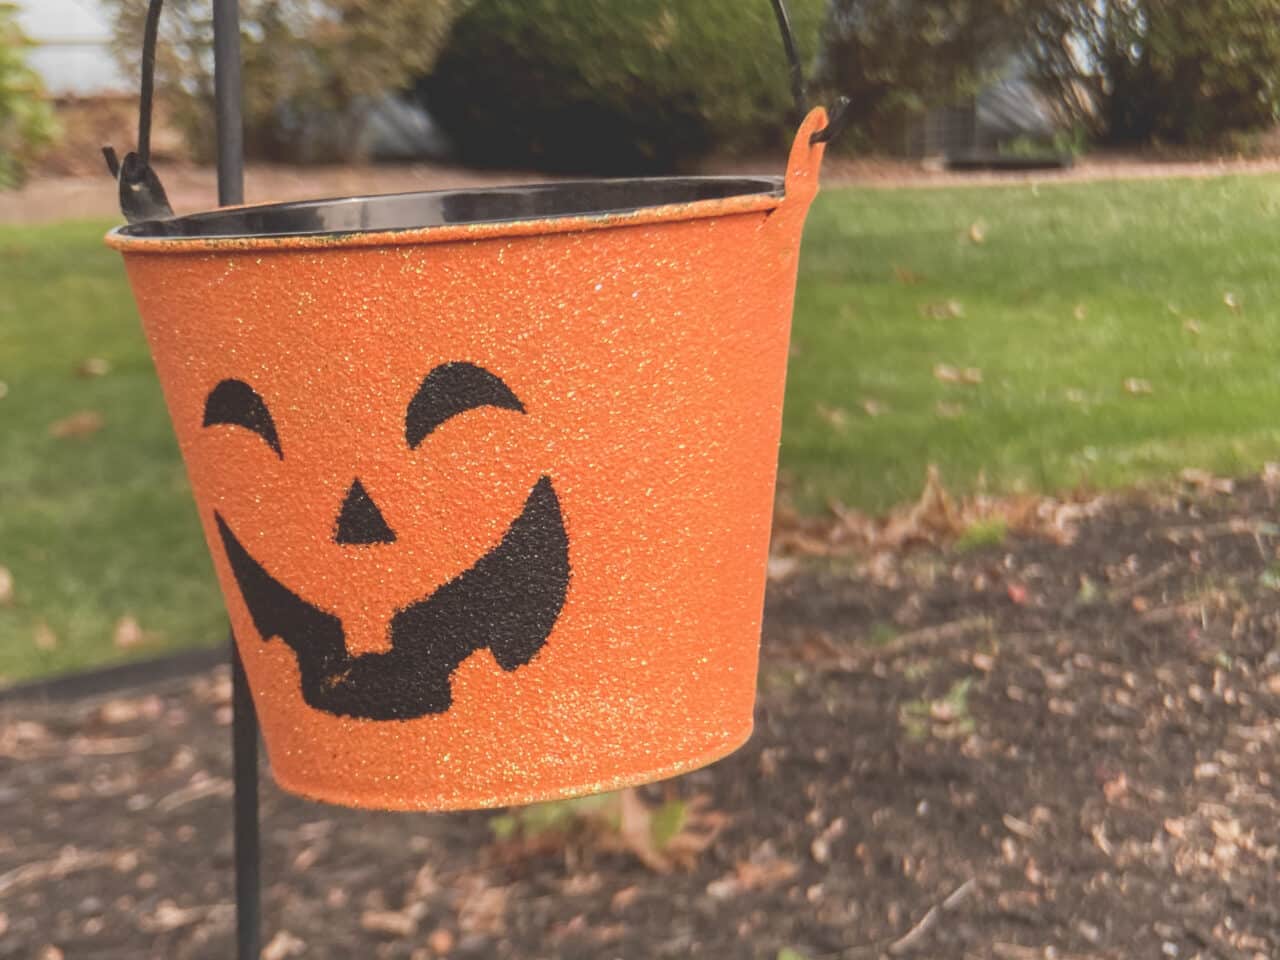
[615, 86]
[1126, 71]
[27, 123]
[1137, 71]
[308, 64]
[895, 59]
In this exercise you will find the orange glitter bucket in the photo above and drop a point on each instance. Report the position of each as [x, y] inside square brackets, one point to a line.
[487, 477]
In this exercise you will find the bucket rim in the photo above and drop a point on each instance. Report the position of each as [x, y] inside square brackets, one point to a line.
[453, 214]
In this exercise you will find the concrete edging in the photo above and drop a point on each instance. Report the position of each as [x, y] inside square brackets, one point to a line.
[118, 678]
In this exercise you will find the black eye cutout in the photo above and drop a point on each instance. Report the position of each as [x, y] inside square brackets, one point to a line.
[236, 403]
[451, 389]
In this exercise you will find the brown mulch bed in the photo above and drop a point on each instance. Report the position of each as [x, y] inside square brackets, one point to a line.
[1030, 750]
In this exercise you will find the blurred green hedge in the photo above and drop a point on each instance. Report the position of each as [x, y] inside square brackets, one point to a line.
[621, 87]
[27, 123]
[309, 67]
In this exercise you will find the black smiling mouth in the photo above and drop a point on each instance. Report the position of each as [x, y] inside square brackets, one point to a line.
[508, 603]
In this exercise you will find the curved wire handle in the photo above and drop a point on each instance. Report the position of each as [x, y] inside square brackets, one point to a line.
[142, 196]
[839, 113]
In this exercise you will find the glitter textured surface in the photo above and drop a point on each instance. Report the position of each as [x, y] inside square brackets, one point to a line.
[650, 354]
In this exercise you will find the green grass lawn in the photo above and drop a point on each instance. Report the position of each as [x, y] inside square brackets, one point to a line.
[100, 527]
[1073, 291]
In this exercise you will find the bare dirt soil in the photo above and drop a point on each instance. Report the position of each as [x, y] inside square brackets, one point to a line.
[1026, 750]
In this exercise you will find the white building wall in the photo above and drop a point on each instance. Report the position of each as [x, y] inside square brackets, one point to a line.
[72, 46]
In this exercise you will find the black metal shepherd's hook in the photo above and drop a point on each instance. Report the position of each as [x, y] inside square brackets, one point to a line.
[228, 106]
[142, 197]
[839, 113]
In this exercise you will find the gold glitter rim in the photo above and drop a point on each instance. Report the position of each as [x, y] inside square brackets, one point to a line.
[444, 802]
[669, 213]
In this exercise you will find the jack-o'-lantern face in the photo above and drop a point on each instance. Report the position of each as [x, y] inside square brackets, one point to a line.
[507, 602]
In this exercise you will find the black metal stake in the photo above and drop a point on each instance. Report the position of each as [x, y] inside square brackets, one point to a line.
[244, 725]
[244, 752]
[228, 101]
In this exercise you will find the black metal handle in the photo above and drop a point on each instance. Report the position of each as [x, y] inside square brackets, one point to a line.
[142, 196]
[839, 113]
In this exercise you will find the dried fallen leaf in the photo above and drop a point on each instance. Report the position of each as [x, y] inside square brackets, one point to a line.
[93, 367]
[45, 638]
[1271, 477]
[874, 408]
[848, 531]
[4, 389]
[282, 946]
[782, 567]
[943, 310]
[673, 835]
[978, 233]
[169, 916]
[820, 849]
[6, 587]
[337, 898]
[1206, 482]
[636, 831]
[1116, 788]
[1232, 302]
[1138, 388]
[950, 411]
[1033, 873]
[836, 417]
[1081, 312]
[389, 923]
[1228, 831]
[765, 873]
[1077, 396]
[624, 898]
[128, 634]
[724, 889]
[934, 518]
[1020, 827]
[946, 373]
[1191, 326]
[483, 908]
[764, 870]
[82, 424]
[115, 712]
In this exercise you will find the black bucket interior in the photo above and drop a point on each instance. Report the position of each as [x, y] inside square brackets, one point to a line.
[410, 211]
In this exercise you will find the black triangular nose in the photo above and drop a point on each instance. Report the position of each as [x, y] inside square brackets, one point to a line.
[360, 521]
